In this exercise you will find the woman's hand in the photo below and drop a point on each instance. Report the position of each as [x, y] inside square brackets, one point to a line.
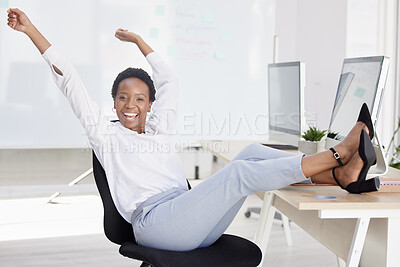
[126, 36]
[18, 21]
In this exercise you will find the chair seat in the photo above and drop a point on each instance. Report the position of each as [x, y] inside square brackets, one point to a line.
[227, 251]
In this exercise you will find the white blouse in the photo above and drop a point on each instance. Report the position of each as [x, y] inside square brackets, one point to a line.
[137, 166]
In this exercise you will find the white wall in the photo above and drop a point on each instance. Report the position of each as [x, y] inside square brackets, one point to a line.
[218, 49]
[371, 30]
[323, 33]
[320, 33]
[313, 31]
[388, 45]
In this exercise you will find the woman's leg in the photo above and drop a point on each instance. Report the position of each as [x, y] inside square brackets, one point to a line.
[223, 224]
[323, 178]
[189, 220]
[353, 163]
[185, 222]
[345, 174]
[253, 152]
[256, 152]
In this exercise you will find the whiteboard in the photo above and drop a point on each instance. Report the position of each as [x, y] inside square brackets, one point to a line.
[218, 49]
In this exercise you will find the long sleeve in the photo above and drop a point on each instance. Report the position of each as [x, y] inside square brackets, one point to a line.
[70, 84]
[165, 107]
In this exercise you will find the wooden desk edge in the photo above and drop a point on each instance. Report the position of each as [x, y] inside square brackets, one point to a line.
[347, 201]
[209, 145]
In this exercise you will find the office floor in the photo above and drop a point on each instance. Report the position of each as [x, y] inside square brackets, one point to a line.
[69, 231]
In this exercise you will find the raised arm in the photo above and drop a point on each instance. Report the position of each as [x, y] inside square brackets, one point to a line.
[66, 78]
[164, 116]
[18, 21]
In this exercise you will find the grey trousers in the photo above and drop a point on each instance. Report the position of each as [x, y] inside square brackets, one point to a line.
[183, 220]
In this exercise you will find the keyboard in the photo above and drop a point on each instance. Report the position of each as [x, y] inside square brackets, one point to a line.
[281, 146]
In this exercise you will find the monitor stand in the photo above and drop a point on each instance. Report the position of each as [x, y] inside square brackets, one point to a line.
[381, 167]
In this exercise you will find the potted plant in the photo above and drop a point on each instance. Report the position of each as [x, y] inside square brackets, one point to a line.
[332, 139]
[312, 142]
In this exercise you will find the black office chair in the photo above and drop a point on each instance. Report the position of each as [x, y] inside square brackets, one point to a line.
[228, 250]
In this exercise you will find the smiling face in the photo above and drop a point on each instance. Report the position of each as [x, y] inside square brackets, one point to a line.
[132, 104]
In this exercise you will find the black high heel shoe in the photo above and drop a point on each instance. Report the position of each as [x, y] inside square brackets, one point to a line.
[365, 117]
[368, 156]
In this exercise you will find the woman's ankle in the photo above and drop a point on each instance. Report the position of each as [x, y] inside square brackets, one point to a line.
[349, 172]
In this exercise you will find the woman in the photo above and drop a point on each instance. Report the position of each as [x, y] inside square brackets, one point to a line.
[145, 175]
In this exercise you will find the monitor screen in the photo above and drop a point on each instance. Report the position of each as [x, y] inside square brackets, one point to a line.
[285, 101]
[360, 82]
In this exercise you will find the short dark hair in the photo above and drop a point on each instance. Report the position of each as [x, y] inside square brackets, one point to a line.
[135, 73]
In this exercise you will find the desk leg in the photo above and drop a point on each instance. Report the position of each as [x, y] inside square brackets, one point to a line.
[286, 228]
[358, 242]
[265, 223]
[382, 244]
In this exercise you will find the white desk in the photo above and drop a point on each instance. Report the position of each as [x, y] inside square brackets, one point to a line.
[361, 229]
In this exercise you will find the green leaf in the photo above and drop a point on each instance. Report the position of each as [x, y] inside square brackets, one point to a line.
[394, 151]
[395, 165]
[333, 135]
[313, 134]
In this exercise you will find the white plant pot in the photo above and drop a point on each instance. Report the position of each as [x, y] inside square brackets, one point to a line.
[331, 142]
[311, 147]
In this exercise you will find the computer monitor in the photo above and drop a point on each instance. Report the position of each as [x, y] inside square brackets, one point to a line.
[286, 82]
[362, 80]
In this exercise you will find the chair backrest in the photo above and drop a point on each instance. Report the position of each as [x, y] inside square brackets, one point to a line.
[116, 228]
